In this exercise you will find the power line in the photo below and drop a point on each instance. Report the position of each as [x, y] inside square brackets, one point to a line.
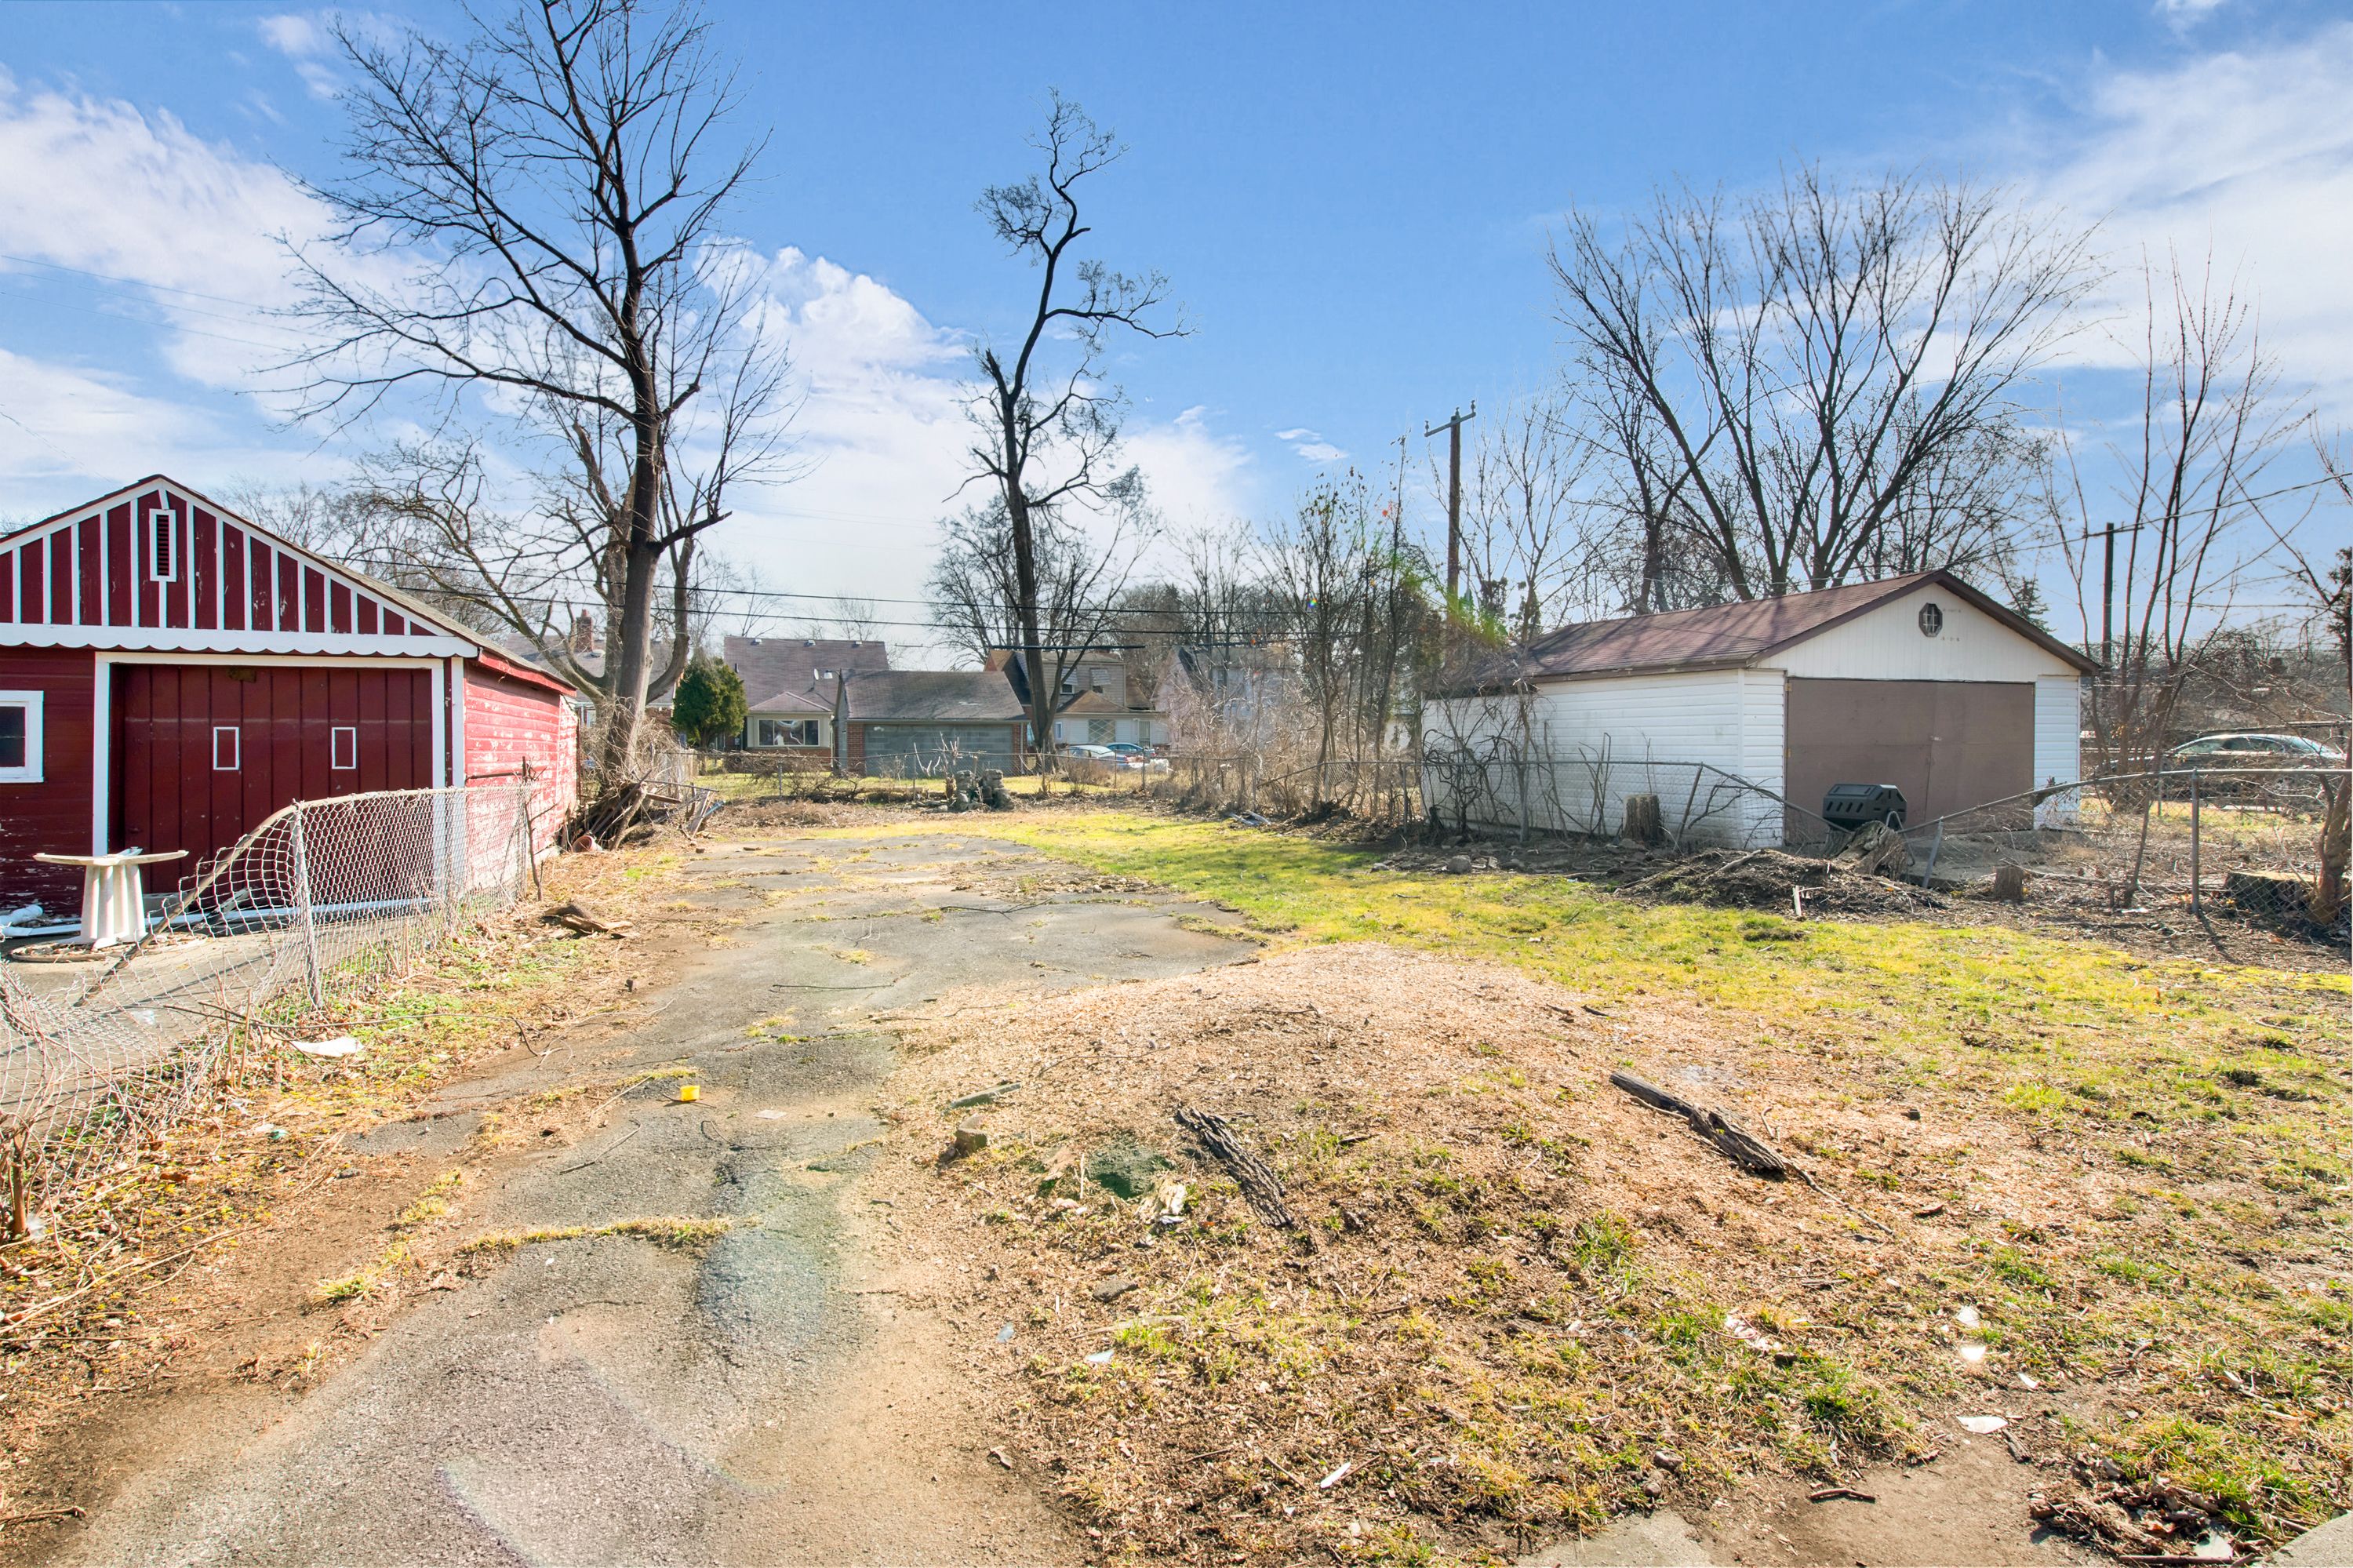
[130, 283]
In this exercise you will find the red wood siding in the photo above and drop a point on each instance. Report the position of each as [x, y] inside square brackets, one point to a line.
[509, 724]
[53, 816]
[94, 567]
[168, 794]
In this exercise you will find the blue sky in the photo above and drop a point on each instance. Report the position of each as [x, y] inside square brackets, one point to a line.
[1352, 202]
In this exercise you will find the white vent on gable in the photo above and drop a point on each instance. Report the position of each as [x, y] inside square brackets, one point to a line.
[163, 544]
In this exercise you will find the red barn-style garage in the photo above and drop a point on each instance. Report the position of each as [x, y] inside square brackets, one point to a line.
[171, 674]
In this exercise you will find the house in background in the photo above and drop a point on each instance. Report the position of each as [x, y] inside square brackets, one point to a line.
[1921, 681]
[925, 722]
[1232, 695]
[831, 702]
[1099, 701]
[171, 674]
[789, 688]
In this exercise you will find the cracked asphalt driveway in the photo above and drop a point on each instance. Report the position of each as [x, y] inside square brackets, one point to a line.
[608, 1399]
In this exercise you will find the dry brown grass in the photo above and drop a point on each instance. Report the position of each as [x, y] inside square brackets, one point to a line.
[1521, 1302]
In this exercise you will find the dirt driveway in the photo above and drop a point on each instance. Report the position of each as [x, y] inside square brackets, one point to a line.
[608, 1399]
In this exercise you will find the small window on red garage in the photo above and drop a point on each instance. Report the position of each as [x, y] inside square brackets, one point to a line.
[343, 748]
[225, 748]
[20, 737]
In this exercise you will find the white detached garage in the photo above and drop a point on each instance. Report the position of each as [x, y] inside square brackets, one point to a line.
[1921, 681]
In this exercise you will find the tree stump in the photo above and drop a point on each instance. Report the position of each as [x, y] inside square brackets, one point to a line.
[1644, 824]
[2010, 882]
[2267, 893]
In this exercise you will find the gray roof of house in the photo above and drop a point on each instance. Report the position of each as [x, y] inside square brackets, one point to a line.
[934, 696]
[775, 670]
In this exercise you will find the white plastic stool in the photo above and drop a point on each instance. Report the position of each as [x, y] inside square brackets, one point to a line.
[113, 893]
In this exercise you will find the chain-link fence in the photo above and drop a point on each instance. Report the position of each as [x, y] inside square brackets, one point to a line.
[2250, 841]
[1585, 793]
[323, 899]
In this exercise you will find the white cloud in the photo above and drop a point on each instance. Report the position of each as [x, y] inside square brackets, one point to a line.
[307, 45]
[2188, 10]
[883, 435]
[184, 228]
[1196, 477]
[68, 432]
[2246, 157]
[1311, 445]
[298, 37]
[99, 186]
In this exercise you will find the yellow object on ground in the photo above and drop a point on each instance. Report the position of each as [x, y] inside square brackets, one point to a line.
[687, 1092]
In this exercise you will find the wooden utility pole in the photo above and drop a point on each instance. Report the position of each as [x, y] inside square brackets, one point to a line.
[1454, 428]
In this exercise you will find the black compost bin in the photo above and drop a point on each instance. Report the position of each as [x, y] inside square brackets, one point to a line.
[1849, 806]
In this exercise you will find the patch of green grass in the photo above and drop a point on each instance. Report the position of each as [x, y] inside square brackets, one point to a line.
[433, 1203]
[1981, 988]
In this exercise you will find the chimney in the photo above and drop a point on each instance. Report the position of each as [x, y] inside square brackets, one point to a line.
[584, 634]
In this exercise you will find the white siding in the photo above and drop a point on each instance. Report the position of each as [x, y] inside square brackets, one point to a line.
[1590, 744]
[1886, 644]
[2058, 741]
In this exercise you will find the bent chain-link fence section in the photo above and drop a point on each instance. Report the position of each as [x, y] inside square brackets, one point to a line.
[323, 900]
[1581, 792]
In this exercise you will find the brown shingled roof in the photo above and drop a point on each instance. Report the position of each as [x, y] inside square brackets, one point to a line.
[1743, 631]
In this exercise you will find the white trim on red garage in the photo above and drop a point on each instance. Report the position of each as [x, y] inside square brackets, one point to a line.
[237, 644]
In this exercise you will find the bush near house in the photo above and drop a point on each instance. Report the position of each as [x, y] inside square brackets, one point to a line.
[709, 707]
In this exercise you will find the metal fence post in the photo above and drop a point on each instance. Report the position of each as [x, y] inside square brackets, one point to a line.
[304, 906]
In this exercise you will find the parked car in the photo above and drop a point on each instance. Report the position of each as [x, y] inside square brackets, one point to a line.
[1091, 753]
[2251, 748]
[1125, 749]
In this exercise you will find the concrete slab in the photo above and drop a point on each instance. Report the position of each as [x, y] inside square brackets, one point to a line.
[1661, 1540]
[2328, 1545]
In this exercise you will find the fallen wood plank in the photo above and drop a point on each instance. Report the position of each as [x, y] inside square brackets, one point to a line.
[576, 916]
[1743, 1147]
[1256, 1180]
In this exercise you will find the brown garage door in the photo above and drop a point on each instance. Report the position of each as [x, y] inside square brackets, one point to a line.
[1947, 745]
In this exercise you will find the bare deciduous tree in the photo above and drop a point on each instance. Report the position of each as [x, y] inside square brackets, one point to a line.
[549, 192]
[1079, 582]
[1792, 386]
[1353, 608]
[1049, 434]
[1529, 524]
[2185, 498]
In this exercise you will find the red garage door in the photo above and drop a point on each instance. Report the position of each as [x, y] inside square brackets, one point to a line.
[203, 753]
